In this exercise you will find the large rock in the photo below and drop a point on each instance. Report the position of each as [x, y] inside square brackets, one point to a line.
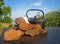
[36, 30]
[19, 20]
[44, 31]
[22, 24]
[25, 26]
[32, 32]
[12, 35]
[30, 29]
[37, 27]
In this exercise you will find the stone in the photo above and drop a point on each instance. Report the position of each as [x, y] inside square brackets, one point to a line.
[30, 29]
[35, 31]
[22, 24]
[12, 34]
[44, 31]
[25, 26]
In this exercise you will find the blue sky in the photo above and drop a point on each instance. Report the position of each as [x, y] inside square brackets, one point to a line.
[19, 7]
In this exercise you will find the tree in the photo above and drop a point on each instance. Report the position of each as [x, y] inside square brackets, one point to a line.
[7, 19]
[6, 10]
[52, 18]
[1, 3]
[5, 13]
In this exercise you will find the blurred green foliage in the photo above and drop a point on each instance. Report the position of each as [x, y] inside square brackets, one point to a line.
[5, 13]
[6, 10]
[39, 15]
[1, 3]
[51, 18]
[7, 20]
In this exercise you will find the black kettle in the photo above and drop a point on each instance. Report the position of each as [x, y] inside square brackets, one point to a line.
[36, 20]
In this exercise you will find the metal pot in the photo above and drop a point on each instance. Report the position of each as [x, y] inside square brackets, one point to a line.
[36, 20]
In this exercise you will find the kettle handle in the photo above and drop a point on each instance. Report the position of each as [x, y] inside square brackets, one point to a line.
[34, 10]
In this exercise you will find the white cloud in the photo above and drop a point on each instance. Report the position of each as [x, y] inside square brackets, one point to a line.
[39, 3]
[18, 13]
[36, 4]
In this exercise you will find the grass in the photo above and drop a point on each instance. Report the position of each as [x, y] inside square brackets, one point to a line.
[2, 26]
[1, 30]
